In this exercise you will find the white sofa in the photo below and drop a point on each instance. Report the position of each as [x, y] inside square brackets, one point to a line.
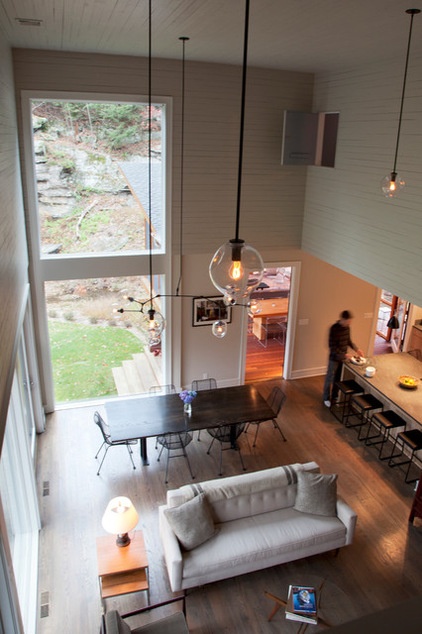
[256, 526]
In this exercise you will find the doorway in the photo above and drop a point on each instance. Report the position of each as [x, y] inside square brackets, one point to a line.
[267, 326]
[391, 323]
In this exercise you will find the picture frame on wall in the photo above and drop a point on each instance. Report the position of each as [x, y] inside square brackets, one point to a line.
[207, 310]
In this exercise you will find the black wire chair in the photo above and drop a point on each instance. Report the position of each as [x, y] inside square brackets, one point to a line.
[176, 444]
[107, 442]
[227, 435]
[203, 384]
[276, 401]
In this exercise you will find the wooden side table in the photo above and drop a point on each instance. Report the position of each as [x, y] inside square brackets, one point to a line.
[122, 570]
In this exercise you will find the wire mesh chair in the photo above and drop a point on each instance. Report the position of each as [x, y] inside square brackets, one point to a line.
[227, 435]
[107, 442]
[203, 384]
[175, 444]
[275, 401]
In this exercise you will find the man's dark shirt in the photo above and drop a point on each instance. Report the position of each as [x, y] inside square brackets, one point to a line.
[338, 341]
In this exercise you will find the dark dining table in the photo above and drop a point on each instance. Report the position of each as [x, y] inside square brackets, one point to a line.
[149, 416]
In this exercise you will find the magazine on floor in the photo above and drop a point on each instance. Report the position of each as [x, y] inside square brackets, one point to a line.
[302, 604]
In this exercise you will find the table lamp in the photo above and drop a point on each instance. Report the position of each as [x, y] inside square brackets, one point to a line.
[119, 518]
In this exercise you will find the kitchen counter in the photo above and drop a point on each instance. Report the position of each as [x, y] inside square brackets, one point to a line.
[385, 385]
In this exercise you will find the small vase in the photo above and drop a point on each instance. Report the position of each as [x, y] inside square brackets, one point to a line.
[187, 408]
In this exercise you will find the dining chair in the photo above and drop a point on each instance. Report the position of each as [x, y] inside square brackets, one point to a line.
[275, 401]
[176, 444]
[107, 442]
[227, 435]
[203, 384]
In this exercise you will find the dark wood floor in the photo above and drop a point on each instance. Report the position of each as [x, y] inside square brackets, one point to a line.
[381, 568]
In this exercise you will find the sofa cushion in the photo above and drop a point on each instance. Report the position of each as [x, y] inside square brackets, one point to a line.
[316, 494]
[247, 494]
[192, 522]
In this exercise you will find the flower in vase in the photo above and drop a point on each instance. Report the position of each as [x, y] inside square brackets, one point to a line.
[187, 396]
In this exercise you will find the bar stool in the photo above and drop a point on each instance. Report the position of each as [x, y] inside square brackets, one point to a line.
[411, 439]
[346, 390]
[362, 406]
[384, 423]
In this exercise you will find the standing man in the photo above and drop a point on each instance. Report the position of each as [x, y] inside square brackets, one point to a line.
[338, 341]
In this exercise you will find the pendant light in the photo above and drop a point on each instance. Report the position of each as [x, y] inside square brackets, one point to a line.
[153, 322]
[237, 268]
[392, 184]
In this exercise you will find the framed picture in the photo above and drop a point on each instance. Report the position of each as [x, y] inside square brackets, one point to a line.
[207, 310]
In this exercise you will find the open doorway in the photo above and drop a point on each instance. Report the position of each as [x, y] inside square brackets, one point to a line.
[391, 323]
[267, 326]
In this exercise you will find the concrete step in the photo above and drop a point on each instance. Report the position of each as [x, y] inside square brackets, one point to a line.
[138, 374]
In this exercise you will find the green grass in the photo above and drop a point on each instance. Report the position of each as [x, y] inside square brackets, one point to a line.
[83, 357]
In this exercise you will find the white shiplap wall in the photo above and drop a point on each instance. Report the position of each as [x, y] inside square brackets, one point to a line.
[13, 254]
[348, 222]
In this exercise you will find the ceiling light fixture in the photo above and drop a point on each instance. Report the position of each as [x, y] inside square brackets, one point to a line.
[392, 184]
[237, 268]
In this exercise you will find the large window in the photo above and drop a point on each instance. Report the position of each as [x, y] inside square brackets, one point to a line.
[93, 176]
[97, 209]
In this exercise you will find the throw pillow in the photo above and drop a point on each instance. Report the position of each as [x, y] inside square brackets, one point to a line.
[316, 493]
[192, 522]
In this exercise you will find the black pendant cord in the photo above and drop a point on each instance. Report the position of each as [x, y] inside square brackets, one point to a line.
[182, 160]
[242, 119]
[149, 150]
[412, 12]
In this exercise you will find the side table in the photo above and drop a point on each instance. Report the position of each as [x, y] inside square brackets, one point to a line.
[122, 570]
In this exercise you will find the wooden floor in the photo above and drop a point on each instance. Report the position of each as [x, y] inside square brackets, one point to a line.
[381, 568]
[263, 363]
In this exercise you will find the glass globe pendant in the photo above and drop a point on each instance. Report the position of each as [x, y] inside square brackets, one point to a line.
[219, 329]
[236, 269]
[155, 324]
[392, 185]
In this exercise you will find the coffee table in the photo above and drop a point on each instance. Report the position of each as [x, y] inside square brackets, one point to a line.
[283, 603]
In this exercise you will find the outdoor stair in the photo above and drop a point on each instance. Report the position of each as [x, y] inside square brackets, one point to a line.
[137, 375]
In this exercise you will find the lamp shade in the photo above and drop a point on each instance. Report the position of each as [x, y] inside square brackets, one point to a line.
[236, 269]
[120, 517]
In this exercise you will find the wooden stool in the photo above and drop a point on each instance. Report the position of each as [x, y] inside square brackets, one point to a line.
[411, 439]
[384, 422]
[362, 406]
[346, 390]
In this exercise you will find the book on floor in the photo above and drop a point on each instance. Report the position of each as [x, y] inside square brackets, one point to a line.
[302, 604]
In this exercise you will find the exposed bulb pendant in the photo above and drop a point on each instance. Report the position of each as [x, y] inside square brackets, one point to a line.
[219, 329]
[392, 184]
[237, 268]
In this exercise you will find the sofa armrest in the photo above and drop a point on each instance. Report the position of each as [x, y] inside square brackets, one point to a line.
[348, 517]
[172, 552]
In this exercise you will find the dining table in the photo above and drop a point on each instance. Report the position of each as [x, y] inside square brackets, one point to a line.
[386, 386]
[146, 416]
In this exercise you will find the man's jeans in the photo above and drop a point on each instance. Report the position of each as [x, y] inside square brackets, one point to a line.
[333, 375]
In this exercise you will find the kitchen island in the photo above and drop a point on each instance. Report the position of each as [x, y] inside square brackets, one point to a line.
[386, 387]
